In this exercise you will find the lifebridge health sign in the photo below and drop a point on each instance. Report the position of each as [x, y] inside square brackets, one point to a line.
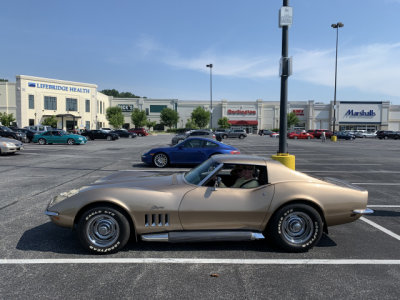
[57, 87]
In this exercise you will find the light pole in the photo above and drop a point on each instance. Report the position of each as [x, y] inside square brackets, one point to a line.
[335, 26]
[211, 106]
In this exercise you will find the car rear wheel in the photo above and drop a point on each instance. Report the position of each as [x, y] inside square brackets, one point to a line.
[42, 142]
[103, 230]
[309, 138]
[71, 141]
[224, 136]
[160, 160]
[241, 136]
[295, 137]
[109, 138]
[296, 227]
[139, 134]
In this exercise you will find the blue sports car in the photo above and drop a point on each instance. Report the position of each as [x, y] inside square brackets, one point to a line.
[190, 151]
[58, 137]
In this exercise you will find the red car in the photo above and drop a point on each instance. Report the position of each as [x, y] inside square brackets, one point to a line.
[300, 135]
[139, 131]
[317, 133]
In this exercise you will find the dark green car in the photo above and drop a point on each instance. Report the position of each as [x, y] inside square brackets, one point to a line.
[58, 137]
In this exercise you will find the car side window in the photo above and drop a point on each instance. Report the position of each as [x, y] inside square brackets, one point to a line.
[240, 176]
[210, 144]
[193, 144]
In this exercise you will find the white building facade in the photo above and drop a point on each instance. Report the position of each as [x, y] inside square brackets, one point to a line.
[79, 105]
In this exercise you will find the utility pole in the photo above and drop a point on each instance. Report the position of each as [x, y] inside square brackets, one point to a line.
[285, 20]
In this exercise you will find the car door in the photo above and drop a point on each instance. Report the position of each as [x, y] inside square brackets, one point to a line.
[189, 152]
[206, 208]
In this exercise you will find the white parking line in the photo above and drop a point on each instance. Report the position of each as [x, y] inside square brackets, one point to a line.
[385, 206]
[376, 183]
[202, 261]
[392, 234]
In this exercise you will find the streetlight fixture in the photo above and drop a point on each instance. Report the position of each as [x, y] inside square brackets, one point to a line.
[211, 106]
[335, 26]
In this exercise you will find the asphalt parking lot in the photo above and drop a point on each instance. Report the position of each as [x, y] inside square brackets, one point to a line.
[40, 260]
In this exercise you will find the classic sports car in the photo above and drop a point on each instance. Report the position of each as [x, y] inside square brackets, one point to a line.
[58, 137]
[190, 151]
[288, 207]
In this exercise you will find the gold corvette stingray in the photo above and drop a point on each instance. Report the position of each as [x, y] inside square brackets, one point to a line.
[212, 202]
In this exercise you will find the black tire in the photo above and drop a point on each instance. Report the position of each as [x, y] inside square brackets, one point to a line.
[295, 137]
[139, 134]
[309, 138]
[241, 136]
[109, 138]
[160, 160]
[224, 136]
[42, 142]
[70, 142]
[296, 228]
[103, 230]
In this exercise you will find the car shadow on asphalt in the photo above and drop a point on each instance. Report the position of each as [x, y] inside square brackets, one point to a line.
[50, 238]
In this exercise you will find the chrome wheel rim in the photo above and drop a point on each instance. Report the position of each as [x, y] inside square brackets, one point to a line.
[42, 141]
[70, 141]
[102, 230]
[297, 227]
[160, 160]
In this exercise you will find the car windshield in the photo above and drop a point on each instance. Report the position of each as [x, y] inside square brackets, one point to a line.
[197, 174]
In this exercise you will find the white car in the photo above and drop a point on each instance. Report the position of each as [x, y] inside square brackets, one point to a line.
[10, 145]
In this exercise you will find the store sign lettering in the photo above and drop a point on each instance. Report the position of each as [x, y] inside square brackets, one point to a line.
[241, 112]
[58, 87]
[298, 112]
[126, 107]
[361, 113]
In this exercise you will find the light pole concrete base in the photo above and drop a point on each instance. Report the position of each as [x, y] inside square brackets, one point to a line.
[286, 159]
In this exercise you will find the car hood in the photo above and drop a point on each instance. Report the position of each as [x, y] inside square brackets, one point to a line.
[138, 180]
[10, 141]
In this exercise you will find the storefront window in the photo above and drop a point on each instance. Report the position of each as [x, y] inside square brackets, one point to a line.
[71, 104]
[31, 102]
[50, 103]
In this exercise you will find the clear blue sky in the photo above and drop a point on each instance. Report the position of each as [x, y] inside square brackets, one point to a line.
[160, 48]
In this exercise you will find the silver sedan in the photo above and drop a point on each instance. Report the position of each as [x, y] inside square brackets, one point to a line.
[10, 145]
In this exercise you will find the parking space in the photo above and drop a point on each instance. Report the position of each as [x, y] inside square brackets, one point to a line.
[31, 178]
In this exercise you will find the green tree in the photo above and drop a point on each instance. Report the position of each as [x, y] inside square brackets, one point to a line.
[201, 117]
[117, 94]
[50, 121]
[115, 117]
[151, 124]
[292, 119]
[191, 124]
[138, 118]
[223, 123]
[6, 119]
[169, 117]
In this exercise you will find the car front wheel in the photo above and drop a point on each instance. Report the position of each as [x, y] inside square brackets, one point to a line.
[70, 142]
[103, 230]
[160, 160]
[296, 228]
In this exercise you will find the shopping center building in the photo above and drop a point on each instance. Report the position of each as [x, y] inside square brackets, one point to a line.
[79, 105]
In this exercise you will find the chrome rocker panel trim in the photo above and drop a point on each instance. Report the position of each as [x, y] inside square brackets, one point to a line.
[202, 236]
[366, 211]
